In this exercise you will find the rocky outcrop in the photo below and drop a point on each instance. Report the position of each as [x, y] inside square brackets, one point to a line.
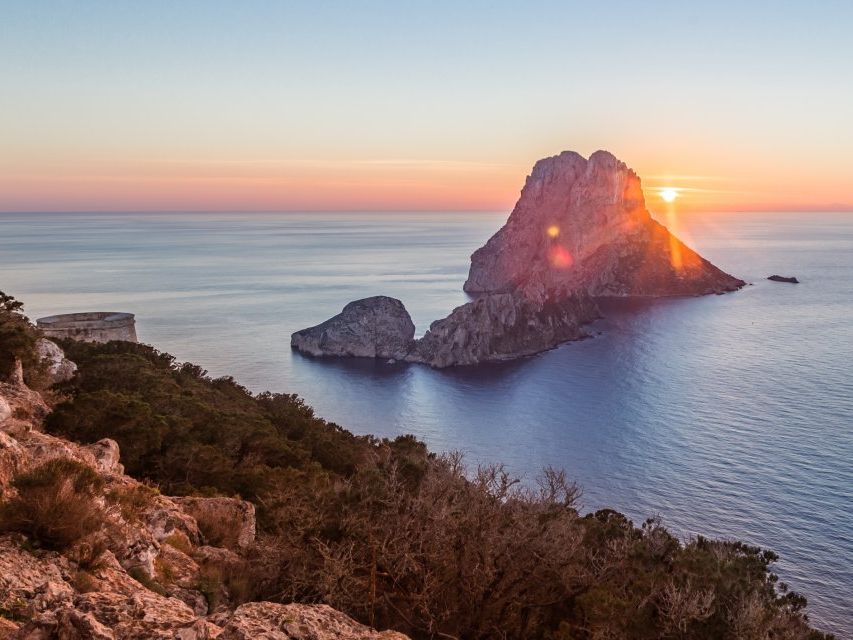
[59, 368]
[789, 279]
[144, 573]
[495, 327]
[583, 224]
[377, 327]
[504, 326]
[298, 622]
[580, 230]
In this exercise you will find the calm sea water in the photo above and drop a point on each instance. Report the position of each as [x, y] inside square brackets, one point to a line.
[730, 416]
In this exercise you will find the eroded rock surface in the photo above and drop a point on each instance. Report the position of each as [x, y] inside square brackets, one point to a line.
[146, 567]
[504, 326]
[298, 622]
[377, 327]
[59, 367]
[583, 224]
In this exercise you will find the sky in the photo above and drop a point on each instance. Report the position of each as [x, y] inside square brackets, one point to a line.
[262, 105]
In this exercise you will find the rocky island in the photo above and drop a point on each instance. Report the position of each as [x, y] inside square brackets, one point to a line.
[579, 232]
[788, 279]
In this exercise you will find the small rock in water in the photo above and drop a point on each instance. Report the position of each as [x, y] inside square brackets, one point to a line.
[377, 327]
[790, 279]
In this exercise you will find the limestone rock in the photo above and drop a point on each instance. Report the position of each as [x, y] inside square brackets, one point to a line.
[23, 575]
[377, 327]
[298, 622]
[106, 456]
[165, 518]
[504, 326]
[144, 581]
[59, 367]
[22, 407]
[583, 224]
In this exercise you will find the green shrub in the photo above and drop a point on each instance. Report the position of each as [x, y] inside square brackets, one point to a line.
[17, 340]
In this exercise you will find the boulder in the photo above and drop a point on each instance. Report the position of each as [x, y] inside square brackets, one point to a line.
[298, 622]
[59, 367]
[504, 326]
[583, 224]
[21, 408]
[789, 279]
[377, 327]
[105, 453]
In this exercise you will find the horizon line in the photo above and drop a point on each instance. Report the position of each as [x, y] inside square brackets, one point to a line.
[824, 209]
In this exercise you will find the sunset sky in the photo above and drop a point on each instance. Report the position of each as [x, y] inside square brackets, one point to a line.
[268, 105]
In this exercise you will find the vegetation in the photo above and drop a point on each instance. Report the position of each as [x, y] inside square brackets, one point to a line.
[55, 504]
[403, 539]
[18, 339]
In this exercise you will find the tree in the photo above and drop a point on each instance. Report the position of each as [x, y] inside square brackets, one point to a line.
[18, 337]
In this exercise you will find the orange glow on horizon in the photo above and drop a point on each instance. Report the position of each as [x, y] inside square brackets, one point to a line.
[184, 184]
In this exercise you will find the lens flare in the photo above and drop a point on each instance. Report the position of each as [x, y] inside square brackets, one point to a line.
[668, 194]
[560, 257]
[553, 231]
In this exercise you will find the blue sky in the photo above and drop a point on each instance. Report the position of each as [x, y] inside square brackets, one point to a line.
[135, 105]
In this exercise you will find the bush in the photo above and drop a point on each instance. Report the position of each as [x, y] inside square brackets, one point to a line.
[133, 501]
[55, 504]
[18, 339]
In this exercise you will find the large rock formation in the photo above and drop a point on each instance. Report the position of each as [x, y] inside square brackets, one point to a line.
[580, 230]
[377, 327]
[583, 224]
[504, 326]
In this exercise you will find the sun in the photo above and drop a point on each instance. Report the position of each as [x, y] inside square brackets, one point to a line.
[668, 194]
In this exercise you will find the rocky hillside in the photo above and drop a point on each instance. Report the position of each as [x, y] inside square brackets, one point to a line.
[235, 515]
[583, 224]
[88, 552]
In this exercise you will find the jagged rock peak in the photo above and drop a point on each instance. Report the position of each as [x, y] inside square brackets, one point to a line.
[583, 224]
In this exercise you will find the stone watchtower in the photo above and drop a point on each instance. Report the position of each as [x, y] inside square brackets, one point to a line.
[96, 326]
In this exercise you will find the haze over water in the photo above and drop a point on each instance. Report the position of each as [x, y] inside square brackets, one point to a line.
[730, 416]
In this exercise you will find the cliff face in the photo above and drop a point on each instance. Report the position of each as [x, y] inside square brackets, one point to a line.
[583, 224]
[151, 566]
[503, 326]
[377, 327]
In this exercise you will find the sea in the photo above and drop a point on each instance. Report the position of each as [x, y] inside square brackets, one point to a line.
[727, 416]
